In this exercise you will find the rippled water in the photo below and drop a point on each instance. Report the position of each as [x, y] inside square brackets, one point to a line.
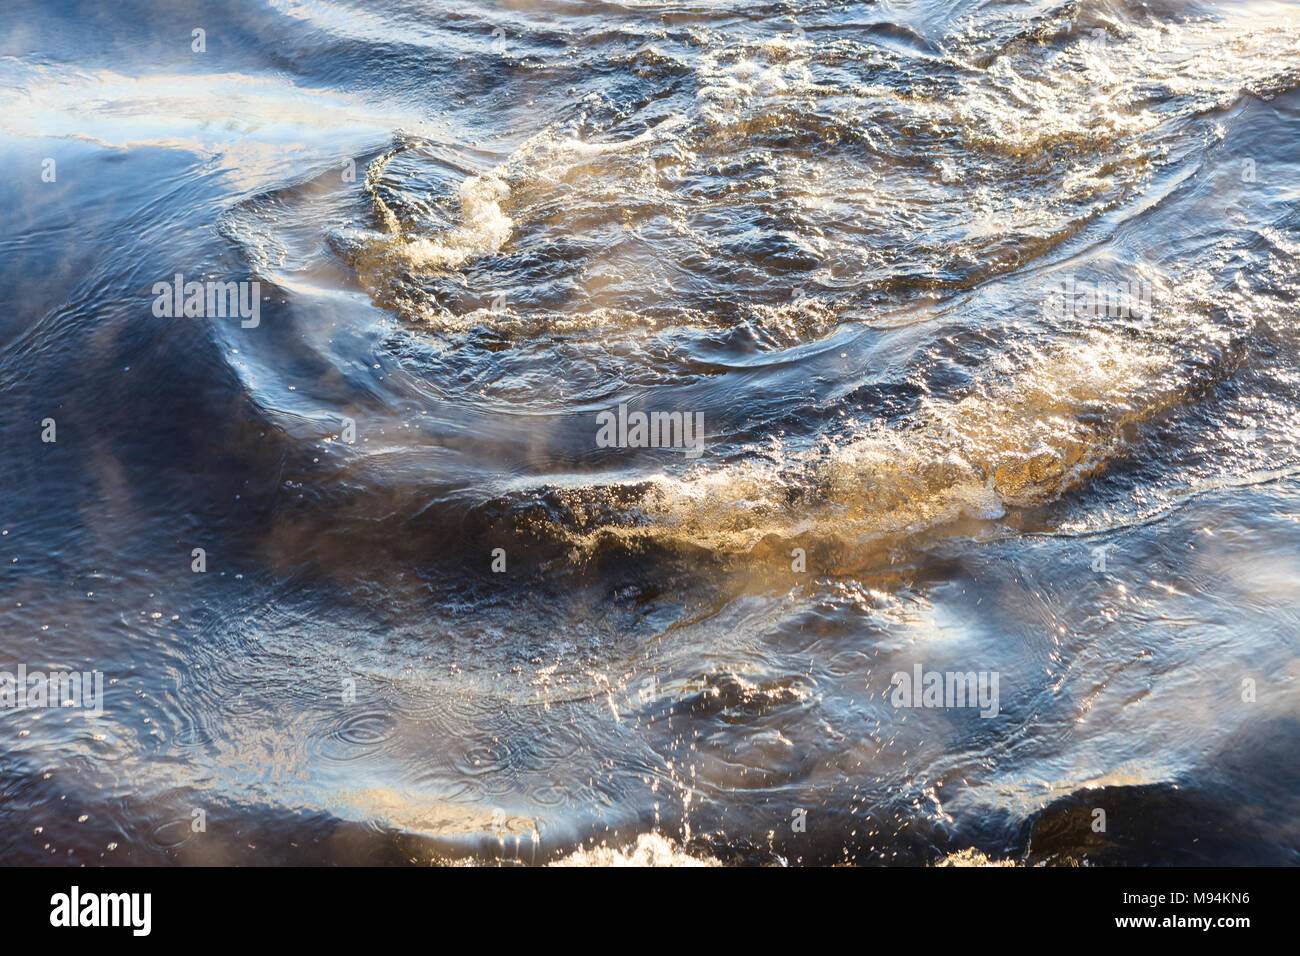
[838, 234]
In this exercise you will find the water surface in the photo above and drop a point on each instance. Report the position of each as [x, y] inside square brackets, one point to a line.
[840, 233]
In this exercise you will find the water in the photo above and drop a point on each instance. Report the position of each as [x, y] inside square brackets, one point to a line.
[843, 235]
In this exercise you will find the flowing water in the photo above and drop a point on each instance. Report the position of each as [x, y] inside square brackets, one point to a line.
[437, 616]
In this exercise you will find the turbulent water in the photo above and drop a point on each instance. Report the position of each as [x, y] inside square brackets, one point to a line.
[438, 617]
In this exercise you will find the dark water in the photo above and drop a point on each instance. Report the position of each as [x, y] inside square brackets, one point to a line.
[831, 230]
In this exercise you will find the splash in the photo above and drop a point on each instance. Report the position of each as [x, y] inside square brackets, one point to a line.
[650, 849]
